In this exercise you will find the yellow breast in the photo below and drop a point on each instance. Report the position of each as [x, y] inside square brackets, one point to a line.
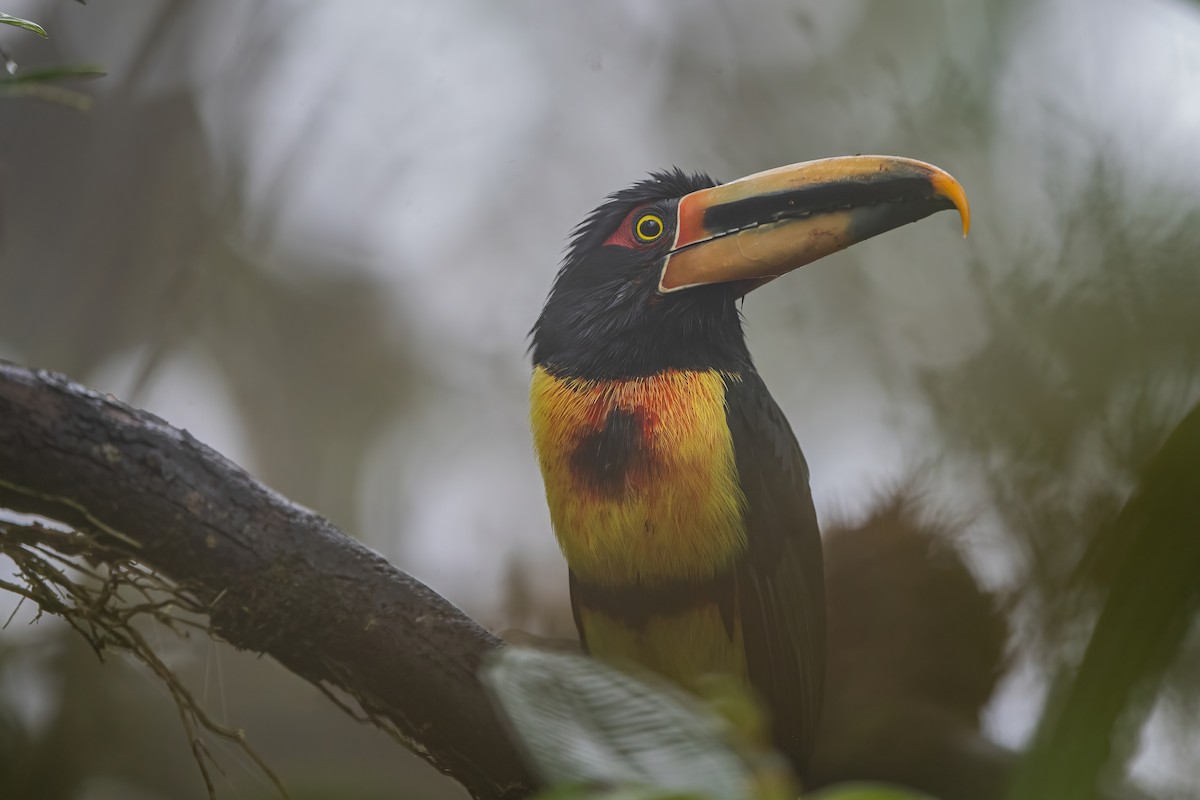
[640, 475]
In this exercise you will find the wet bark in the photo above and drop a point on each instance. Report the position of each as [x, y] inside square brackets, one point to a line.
[277, 578]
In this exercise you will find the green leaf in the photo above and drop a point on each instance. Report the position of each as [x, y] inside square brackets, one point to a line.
[53, 94]
[8, 19]
[59, 73]
[575, 791]
[39, 83]
[866, 791]
[582, 721]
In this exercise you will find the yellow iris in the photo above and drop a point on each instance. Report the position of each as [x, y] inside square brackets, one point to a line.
[649, 227]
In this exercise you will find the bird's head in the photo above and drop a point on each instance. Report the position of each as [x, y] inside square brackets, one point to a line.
[651, 277]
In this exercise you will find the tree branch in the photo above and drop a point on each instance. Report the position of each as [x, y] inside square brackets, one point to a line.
[275, 577]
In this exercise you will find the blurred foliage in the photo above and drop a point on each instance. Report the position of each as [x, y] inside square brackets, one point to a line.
[38, 82]
[1153, 552]
[1094, 356]
[581, 721]
[219, 226]
[916, 649]
[866, 792]
[607, 733]
[572, 791]
[598, 732]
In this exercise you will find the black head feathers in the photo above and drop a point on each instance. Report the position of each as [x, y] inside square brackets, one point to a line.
[605, 318]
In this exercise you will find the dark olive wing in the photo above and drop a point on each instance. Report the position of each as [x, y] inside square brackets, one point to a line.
[781, 584]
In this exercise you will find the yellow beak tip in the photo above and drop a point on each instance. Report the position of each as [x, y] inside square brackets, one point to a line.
[946, 186]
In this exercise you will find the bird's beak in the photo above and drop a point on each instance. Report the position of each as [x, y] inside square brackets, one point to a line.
[764, 225]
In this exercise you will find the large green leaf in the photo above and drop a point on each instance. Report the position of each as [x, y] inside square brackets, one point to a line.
[866, 791]
[575, 791]
[582, 721]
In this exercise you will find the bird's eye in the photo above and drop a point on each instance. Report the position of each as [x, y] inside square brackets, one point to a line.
[648, 227]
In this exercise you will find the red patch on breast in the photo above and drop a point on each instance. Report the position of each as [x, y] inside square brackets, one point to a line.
[615, 456]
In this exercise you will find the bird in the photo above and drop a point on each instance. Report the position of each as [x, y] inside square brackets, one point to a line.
[677, 491]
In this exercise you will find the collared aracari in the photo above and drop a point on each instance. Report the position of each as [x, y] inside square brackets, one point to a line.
[677, 491]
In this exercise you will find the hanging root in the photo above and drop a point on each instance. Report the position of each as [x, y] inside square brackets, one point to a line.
[105, 596]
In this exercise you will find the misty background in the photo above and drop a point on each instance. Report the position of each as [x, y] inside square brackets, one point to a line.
[316, 234]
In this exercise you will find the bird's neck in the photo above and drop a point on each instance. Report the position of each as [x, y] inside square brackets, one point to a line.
[704, 345]
[583, 336]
